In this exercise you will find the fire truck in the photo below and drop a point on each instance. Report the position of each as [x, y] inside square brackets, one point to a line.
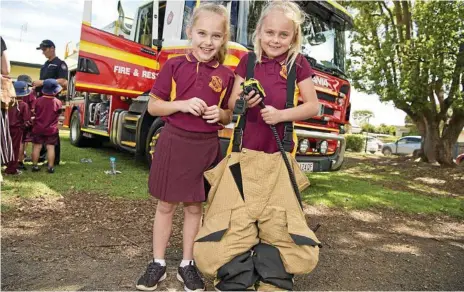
[114, 68]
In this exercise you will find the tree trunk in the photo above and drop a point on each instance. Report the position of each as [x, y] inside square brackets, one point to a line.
[445, 151]
[431, 139]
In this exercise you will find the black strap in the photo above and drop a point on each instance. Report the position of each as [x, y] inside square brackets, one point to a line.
[288, 126]
[238, 130]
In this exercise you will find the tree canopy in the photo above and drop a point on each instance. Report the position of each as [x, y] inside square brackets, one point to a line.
[412, 53]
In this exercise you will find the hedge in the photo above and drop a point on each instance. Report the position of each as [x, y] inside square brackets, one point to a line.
[355, 142]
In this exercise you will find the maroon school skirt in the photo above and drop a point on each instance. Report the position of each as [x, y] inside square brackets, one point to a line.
[180, 159]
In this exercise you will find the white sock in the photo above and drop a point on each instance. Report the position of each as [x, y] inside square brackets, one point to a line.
[184, 263]
[162, 262]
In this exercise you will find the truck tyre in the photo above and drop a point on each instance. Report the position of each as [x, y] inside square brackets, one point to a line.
[75, 133]
[387, 151]
[152, 138]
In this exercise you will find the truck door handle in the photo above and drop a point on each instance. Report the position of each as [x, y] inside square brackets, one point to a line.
[147, 51]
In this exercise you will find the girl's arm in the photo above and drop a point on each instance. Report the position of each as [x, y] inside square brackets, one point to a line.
[308, 109]
[161, 108]
[310, 106]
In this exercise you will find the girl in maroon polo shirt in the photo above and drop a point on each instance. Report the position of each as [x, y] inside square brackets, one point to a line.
[19, 118]
[194, 109]
[47, 111]
[277, 42]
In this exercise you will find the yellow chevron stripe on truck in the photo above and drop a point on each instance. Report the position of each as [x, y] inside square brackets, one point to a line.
[100, 50]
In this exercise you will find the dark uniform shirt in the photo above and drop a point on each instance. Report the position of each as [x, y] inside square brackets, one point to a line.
[184, 77]
[3, 46]
[56, 69]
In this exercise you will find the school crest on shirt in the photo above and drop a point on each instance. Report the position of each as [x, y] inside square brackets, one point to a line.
[283, 71]
[216, 83]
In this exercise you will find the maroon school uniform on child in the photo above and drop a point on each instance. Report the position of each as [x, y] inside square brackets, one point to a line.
[188, 145]
[272, 75]
[30, 101]
[19, 118]
[45, 129]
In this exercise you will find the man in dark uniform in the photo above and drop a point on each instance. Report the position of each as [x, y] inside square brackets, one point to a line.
[56, 69]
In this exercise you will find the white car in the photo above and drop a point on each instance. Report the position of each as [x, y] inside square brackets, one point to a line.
[373, 144]
[404, 146]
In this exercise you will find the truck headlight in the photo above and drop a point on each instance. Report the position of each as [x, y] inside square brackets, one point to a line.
[323, 147]
[304, 145]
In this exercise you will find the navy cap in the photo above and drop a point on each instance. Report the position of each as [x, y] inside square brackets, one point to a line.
[21, 88]
[25, 78]
[51, 87]
[46, 44]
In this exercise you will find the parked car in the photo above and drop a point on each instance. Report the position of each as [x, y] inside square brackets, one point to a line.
[460, 159]
[404, 146]
[374, 144]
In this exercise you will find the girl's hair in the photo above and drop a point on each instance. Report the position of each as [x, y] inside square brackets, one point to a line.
[296, 15]
[220, 10]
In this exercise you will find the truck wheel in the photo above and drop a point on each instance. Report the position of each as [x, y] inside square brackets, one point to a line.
[416, 153]
[152, 139]
[387, 151]
[75, 133]
[372, 152]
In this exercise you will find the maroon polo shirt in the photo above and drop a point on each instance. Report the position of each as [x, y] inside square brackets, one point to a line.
[272, 76]
[19, 115]
[47, 112]
[184, 77]
[30, 99]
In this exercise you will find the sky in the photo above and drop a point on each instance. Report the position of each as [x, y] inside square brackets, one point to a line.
[25, 23]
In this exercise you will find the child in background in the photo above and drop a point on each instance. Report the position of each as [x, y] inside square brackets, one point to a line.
[19, 118]
[45, 128]
[27, 134]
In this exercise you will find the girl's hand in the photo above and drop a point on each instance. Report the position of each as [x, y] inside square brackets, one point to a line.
[212, 114]
[252, 99]
[271, 115]
[195, 106]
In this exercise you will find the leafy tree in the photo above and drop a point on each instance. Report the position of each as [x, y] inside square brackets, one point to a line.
[412, 53]
[361, 116]
[368, 128]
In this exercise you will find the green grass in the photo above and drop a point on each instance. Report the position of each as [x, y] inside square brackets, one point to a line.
[339, 189]
[353, 188]
[72, 175]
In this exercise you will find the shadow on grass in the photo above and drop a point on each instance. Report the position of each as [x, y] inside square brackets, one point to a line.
[354, 192]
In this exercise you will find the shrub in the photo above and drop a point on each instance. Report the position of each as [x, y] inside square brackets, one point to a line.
[355, 142]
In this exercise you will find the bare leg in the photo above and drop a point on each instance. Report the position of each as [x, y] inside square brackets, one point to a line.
[162, 228]
[192, 219]
[51, 155]
[35, 153]
[21, 152]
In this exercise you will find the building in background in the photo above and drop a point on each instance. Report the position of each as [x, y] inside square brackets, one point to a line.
[20, 68]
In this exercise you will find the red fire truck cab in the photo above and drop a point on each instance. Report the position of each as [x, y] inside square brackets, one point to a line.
[114, 68]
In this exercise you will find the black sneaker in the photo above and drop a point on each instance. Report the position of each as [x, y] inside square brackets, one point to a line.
[35, 168]
[190, 276]
[51, 170]
[154, 274]
[22, 166]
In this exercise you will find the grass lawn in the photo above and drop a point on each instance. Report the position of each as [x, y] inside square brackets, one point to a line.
[359, 189]
[339, 189]
[72, 175]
